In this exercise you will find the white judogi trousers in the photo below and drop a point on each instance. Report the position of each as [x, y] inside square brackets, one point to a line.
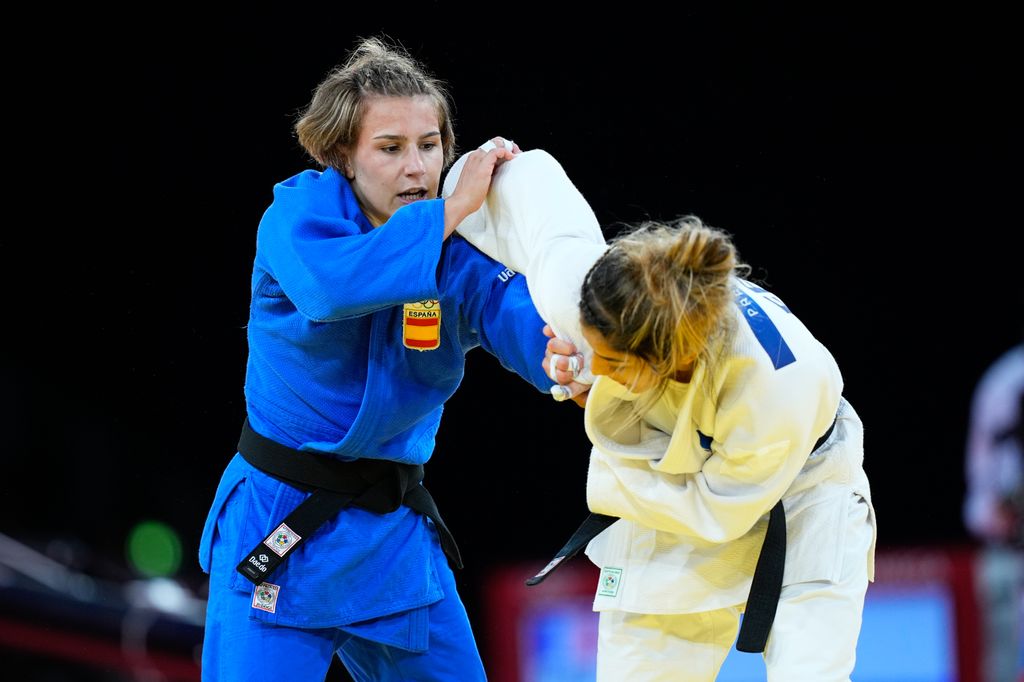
[813, 638]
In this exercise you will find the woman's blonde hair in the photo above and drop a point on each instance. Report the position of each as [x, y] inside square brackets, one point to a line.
[663, 291]
[374, 68]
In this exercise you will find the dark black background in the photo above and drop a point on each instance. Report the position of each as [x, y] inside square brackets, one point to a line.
[867, 164]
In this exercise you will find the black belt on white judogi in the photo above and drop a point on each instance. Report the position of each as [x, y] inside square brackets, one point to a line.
[378, 485]
[765, 588]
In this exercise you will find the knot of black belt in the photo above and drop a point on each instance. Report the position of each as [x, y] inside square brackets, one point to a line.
[378, 485]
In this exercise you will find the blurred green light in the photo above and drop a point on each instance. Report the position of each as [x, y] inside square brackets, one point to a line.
[154, 549]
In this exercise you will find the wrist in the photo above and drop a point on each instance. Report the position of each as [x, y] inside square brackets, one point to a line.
[454, 213]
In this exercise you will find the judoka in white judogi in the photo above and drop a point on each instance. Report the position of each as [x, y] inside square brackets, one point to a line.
[694, 479]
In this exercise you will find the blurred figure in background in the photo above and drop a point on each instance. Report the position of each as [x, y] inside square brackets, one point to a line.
[994, 511]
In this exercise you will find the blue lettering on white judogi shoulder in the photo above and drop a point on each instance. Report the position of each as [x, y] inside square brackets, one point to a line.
[764, 329]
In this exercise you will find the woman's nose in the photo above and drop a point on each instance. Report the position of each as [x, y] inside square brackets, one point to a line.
[414, 162]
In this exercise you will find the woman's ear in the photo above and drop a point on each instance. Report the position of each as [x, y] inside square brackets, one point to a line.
[346, 165]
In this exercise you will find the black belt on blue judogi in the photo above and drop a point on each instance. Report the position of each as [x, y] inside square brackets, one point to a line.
[763, 600]
[380, 486]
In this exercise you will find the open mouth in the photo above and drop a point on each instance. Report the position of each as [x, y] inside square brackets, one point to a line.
[414, 195]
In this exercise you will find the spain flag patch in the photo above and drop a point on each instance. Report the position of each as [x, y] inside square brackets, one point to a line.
[421, 325]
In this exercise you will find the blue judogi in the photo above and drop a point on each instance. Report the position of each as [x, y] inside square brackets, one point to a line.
[329, 371]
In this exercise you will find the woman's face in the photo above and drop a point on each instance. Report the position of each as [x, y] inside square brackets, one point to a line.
[398, 157]
[630, 370]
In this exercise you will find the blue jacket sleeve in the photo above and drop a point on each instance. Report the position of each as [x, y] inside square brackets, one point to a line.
[317, 245]
[499, 310]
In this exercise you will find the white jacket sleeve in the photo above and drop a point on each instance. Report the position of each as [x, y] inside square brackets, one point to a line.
[537, 222]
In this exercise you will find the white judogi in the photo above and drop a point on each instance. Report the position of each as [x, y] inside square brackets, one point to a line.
[693, 481]
[700, 509]
[694, 514]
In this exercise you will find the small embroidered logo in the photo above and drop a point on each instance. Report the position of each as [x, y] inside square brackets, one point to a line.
[264, 558]
[421, 325]
[608, 583]
[264, 597]
[282, 540]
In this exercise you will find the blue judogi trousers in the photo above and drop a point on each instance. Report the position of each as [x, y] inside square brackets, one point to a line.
[237, 647]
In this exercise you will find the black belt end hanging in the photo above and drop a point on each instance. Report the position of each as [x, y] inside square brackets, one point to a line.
[272, 551]
[766, 586]
[589, 529]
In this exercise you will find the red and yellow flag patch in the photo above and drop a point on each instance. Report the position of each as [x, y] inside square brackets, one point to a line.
[421, 325]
